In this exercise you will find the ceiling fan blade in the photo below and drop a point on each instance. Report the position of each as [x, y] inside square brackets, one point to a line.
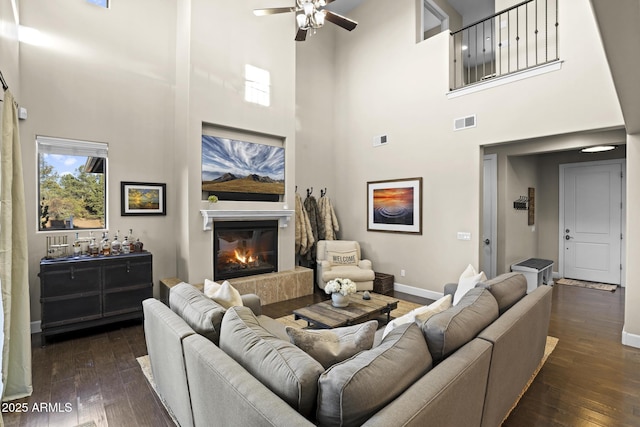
[340, 20]
[301, 35]
[273, 11]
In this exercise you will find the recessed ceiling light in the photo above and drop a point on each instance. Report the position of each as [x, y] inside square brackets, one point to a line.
[598, 149]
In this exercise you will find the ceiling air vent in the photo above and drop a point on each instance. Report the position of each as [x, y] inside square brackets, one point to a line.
[464, 122]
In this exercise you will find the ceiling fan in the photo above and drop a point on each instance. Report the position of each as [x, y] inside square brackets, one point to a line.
[310, 15]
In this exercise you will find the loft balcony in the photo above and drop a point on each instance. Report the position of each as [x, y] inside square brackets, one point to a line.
[522, 37]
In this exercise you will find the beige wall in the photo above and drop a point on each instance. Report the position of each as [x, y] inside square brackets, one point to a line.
[390, 85]
[218, 38]
[632, 297]
[9, 52]
[316, 99]
[108, 76]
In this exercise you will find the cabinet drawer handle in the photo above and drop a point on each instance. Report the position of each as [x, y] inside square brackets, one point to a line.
[128, 267]
[73, 276]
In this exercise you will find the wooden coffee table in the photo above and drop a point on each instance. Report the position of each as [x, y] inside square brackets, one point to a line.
[324, 315]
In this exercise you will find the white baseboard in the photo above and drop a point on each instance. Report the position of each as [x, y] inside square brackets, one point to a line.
[631, 340]
[35, 327]
[419, 292]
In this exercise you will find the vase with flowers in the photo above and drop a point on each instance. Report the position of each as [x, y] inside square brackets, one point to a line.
[340, 289]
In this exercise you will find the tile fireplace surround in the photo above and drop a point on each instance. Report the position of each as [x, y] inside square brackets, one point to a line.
[270, 287]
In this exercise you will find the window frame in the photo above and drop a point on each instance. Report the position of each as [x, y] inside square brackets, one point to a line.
[71, 147]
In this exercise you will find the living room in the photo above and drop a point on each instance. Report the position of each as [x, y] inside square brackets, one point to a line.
[146, 77]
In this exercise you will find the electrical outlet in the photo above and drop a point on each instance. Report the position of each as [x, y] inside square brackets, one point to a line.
[463, 235]
[402, 273]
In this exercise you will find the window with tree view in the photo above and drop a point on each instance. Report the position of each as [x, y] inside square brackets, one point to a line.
[72, 184]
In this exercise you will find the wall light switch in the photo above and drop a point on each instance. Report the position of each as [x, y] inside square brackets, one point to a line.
[463, 235]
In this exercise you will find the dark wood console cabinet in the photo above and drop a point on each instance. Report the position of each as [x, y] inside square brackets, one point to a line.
[78, 293]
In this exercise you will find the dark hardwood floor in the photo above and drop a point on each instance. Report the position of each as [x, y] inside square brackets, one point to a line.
[590, 379]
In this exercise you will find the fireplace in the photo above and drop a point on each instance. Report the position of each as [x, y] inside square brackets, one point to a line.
[244, 248]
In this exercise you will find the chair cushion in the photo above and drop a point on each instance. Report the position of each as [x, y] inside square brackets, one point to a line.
[285, 369]
[352, 391]
[448, 331]
[507, 289]
[352, 272]
[330, 346]
[202, 314]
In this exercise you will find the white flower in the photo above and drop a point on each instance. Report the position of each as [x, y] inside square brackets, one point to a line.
[344, 286]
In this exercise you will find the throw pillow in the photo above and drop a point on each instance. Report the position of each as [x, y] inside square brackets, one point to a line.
[343, 258]
[286, 370]
[425, 312]
[468, 280]
[225, 294]
[350, 392]
[330, 346]
[434, 308]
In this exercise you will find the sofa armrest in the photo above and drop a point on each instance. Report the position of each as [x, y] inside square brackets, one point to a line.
[434, 400]
[224, 393]
[365, 264]
[450, 289]
[520, 334]
[253, 302]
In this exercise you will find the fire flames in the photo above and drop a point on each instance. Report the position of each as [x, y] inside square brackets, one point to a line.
[245, 258]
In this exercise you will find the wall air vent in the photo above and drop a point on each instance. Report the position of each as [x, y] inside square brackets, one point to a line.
[380, 140]
[464, 122]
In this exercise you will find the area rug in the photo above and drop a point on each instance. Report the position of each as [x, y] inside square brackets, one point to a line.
[145, 365]
[585, 284]
[550, 345]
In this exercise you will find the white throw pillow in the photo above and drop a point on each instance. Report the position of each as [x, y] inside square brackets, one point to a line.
[468, 280]
[433, 308]
[225, 294]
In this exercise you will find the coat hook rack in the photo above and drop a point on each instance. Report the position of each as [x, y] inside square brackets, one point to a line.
[521, 204]
[309, 191]
[323, 192]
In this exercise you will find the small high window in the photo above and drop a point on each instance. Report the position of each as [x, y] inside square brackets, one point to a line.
[434, 20]
[257, 87]
[101, 3]
[72, 184]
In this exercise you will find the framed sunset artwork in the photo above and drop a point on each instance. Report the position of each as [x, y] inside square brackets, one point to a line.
[395, 205]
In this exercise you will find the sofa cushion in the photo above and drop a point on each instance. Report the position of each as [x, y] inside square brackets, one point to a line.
[447, 331]
[202, 314]
[224, 294]
[286, 370]
[352, 391]
[507, 289]
[330, 346]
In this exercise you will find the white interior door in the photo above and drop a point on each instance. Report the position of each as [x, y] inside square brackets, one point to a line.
[489, 215]
[591, 221]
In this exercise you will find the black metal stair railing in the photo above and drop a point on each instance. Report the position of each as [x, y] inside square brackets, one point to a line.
[515, 39]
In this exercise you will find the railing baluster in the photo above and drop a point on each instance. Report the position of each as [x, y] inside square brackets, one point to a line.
[467, 69]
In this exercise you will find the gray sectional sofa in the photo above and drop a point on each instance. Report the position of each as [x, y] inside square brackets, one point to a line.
[464, 366]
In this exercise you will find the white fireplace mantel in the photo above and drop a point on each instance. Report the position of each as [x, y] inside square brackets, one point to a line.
[210, 215]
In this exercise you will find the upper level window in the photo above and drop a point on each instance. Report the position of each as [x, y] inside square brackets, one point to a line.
[101, 3]
[72, 184]
[434, 19]
[257, 87]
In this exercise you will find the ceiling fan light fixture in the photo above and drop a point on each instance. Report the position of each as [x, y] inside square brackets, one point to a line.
[318, 19]
[303, 22]
[308, 9]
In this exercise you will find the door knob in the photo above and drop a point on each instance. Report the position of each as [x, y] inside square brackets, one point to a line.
[567, 237]
[487, 241]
